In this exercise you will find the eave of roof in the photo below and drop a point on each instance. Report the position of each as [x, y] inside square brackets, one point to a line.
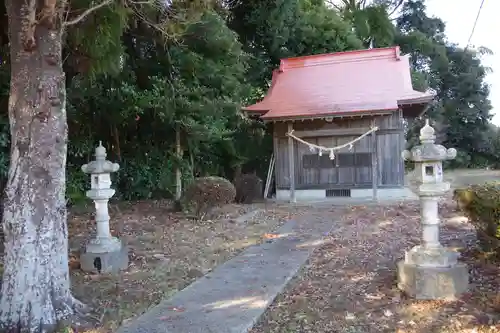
[372, 80]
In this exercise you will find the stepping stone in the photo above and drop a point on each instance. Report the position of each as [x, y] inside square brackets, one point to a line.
[245, 217]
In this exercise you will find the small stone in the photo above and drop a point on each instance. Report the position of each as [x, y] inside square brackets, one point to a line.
[388, 313]
[350, 316]
[194, 273]
[159, 256]
[396, 299]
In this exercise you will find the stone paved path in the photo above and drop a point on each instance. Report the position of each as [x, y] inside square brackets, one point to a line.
[231, 298]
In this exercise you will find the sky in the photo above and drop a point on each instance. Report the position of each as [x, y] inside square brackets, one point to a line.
[459, 16]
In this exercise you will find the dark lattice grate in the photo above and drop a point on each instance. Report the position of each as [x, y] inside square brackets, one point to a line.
[338, 193]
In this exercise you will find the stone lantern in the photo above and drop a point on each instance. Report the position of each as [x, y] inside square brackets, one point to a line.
[430, 270]
[103, 253]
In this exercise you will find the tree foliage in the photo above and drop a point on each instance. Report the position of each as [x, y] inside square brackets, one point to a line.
[461, 110]
[130, 86]
[138, 72]
[145, 71]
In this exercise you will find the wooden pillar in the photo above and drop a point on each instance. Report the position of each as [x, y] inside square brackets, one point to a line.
[291, 164]
[401, 146]
[374, 163]
[276, 173]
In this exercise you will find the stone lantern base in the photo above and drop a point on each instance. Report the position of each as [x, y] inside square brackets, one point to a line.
[432, 274]
[109, 255]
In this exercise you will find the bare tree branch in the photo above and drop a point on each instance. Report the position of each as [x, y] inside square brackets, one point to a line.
[86, 13]
[397, 4]
[336, 6]
[149, 2]
[156, 26]
[346, 3]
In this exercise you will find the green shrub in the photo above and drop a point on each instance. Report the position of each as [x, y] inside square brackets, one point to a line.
[206, 193]
[77, 184]
[151, 176]
[481, 204]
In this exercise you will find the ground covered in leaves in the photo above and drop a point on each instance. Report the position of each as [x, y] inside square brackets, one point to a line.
[349, 285]
[168, 251]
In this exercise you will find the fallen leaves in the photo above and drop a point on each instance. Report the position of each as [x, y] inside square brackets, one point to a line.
[74, 262]
[176, 309]
[270, 236]
[349, 283]
[168, 251]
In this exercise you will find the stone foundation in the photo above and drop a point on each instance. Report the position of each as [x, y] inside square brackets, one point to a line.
[421, 282]
[110, 262]
[402, 193]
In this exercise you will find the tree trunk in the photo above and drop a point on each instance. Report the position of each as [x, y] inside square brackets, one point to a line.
[237, 173]
[178, 171]
[35, 293]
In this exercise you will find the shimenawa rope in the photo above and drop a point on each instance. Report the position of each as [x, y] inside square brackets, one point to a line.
[313, 147]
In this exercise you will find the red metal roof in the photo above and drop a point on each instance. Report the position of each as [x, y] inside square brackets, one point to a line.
[340, 83]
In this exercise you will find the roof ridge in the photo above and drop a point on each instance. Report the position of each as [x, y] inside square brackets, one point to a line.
[339, 57]
[348, 52]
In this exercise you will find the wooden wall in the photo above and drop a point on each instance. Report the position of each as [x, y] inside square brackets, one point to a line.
[349, 169]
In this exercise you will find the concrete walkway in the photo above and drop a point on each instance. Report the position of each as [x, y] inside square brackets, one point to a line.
[232, 297]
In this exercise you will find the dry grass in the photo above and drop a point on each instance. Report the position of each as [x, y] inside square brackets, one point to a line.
[349, 284]
[167, 252]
